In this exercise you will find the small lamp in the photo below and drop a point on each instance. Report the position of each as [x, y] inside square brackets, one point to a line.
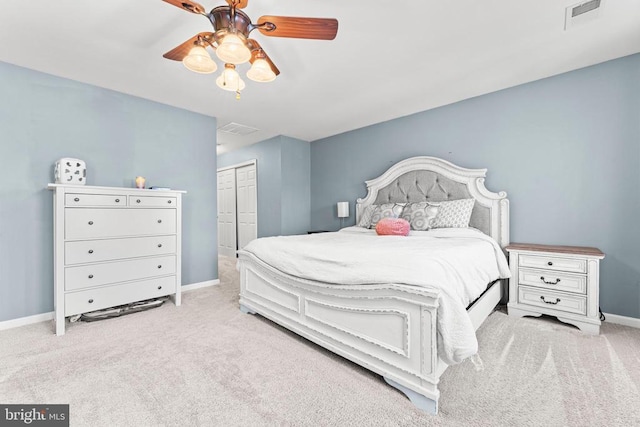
[343, 211]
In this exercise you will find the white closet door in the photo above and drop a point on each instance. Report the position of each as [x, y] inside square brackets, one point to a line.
[247, 204]
[227, 213]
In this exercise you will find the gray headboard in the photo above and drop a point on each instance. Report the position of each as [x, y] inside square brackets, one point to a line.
[420, 179]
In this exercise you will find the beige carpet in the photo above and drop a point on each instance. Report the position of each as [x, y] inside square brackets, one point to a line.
[206, 363]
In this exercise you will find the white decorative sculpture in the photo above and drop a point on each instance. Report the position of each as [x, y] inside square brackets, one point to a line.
[71, 171]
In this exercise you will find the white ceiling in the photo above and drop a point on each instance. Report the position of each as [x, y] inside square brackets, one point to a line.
[389, 59]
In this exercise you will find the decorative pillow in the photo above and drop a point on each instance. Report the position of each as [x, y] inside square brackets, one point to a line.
[453, 214]
[365, 219]
[420, 215]
[392, 227]
[386, 210]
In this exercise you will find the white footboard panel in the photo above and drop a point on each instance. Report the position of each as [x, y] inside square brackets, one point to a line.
[388, 329]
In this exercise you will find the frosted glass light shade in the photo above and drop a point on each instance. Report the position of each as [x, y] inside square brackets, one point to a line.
[343, 209]
[232, 50]
[230, 80]
[260, 71]
[199, 61]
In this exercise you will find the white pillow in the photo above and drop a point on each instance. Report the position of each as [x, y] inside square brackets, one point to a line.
[453, 213]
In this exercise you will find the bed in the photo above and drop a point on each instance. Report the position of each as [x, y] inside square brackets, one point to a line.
[391, 327]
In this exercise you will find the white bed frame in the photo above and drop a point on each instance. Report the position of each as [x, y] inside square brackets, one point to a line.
[388, 329]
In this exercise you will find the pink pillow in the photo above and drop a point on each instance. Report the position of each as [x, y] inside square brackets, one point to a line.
[393, 227]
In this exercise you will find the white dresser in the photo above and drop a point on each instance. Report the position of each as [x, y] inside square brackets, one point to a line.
[114, 246]
[560, 281]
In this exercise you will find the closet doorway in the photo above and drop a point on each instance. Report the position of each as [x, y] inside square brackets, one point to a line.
[237, 207]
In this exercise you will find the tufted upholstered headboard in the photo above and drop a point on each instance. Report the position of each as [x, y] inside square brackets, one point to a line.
[420, 179]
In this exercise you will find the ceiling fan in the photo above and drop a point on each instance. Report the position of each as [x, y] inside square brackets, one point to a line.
[231, 42]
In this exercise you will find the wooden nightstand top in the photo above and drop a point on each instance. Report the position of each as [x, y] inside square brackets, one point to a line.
[573, 250]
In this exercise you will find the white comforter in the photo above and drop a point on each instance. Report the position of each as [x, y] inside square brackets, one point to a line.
[458, 262]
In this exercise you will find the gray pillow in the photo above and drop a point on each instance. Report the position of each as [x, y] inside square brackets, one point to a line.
[453, 213]
[386, 210]
[420, 215]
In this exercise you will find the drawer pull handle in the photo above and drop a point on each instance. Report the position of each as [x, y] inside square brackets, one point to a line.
[550, 302]
[159, 266]
[169, 201]
[91, 276]
[138, 201]
[91, 301]
[159, 287]
[90, 222]
[76, 199]
[117, 200]
[159, 245]
[550, 283]
[159, 221]
[90, 251]
[550, 263]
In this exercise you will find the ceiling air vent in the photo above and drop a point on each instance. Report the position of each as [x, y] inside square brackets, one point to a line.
[582, 13]
[237, 129]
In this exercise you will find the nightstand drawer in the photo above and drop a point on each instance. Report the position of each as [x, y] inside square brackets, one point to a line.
[552, 300]
[573, 265]
[549, 279]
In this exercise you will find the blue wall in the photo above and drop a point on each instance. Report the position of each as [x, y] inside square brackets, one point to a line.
[44, 118]
[566, 149]
[283, 170]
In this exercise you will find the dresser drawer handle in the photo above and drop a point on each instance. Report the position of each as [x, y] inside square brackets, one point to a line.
[550, 283]
[159, 287]
[550, 302]
[550, 263]
[138, 201]
[90, 222]
[159, 221]
[91, 301]
[90, 251]
[159, 266]
[117, 200]
[169, 201]
[91, 276]
[77, 199]
[159, 245]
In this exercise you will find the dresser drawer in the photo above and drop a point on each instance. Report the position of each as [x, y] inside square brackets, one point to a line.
[71, 199]
[96, 223]
[85, 251]
[86, 276]
[573, 265]
[552, 300]
[550, 279]
[155, 201]
[110, 296]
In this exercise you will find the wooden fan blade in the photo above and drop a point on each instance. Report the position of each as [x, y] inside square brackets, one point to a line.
[255, 49]
[179, 52]
[240, 4]
[188, 5]
[300, 28]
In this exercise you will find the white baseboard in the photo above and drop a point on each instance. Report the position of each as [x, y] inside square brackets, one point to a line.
[622, 320]
[43, 317]
[194, 286]
[23, 321]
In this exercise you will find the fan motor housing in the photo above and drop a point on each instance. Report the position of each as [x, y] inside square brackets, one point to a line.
[220, 18]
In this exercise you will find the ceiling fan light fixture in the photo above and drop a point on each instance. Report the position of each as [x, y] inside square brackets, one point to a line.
[230, 79]
[232, 50]
[199, 61]
[261, 71]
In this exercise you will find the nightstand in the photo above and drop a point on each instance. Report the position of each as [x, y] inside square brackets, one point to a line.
[560, 281]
